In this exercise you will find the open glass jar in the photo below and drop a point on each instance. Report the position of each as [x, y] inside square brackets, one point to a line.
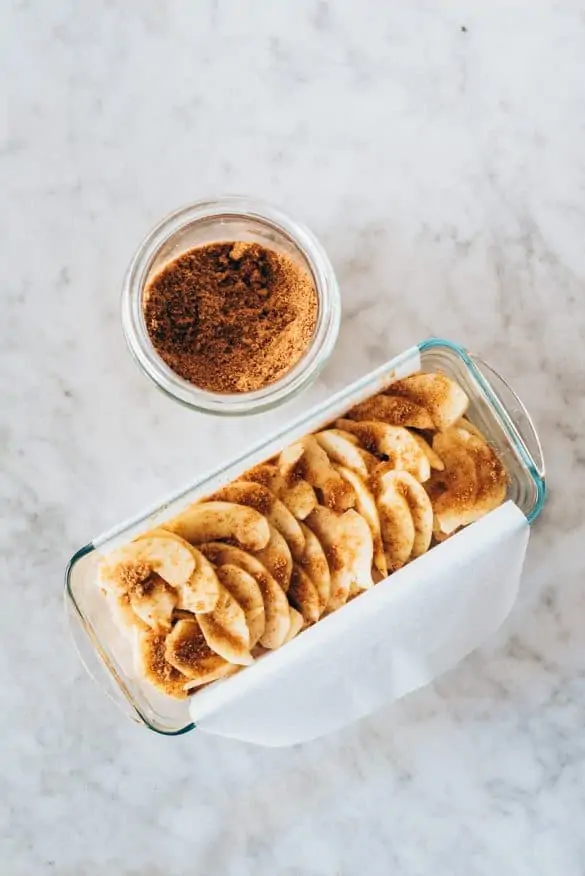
[230, 218]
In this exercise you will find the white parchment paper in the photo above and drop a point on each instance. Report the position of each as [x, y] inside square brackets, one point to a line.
[389, 641]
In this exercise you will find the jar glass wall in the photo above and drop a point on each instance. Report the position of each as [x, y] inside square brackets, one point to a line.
[227, 219]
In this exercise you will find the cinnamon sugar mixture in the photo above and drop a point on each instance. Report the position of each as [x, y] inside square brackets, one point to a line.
[231, 317]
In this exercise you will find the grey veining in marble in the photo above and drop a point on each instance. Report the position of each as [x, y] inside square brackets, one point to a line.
[439, 152]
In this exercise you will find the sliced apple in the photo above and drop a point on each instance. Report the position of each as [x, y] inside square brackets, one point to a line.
[187, 650]
[341, 448]
[314, 563]
[215, 521]
[225, 630]
[347, 542]
[263, 500]
[419, 504]
[366, 506]
[308, 460]
[466, 424]
[124, 616]
[394, 410]
[444, 399]
[434, 459]
[396, 523]
[492, 479]
[474, 481]
[277, 558]
[200, 592]
[127, 566]
[151, 664]
[277, 620]
[246, 591]
[290, 458]
[153, 602]
[287, 524]
[303, 596]
[296, 623]
[453, 490]
[395, 442]
[298, 495]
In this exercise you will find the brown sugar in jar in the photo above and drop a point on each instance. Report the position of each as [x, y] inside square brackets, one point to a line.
[231, 317]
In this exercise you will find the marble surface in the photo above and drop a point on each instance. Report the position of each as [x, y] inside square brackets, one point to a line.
[439, 152]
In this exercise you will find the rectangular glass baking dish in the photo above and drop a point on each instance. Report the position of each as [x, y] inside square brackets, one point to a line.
[494, 408]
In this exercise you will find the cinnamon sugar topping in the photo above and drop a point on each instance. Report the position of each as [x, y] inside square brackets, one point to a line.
[231, 317]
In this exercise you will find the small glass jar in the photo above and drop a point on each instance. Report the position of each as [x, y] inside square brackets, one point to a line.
[227, 219]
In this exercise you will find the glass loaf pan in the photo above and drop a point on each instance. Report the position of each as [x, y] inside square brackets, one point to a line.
[494, 408]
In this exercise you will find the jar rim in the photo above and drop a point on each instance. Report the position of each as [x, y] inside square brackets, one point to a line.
[311, 361]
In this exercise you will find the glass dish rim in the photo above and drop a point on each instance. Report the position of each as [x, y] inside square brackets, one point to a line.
[432, 343]
[290, 384]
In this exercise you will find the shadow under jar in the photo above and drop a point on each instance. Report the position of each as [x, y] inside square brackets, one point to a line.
[230, 232]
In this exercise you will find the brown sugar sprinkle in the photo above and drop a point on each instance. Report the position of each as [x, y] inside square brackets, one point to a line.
[396, 410]
[435, 395]
[279, 572]
[193, 648]
[231, 316]
[491, 473]
[256, 497]
[368, 437]
[339, 496]
[261, 474]
[336, 557]
[132, 575]
[147, 585]
[160, 668]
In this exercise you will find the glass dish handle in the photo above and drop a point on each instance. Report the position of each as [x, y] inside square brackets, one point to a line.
[93, 665]
[519, 420]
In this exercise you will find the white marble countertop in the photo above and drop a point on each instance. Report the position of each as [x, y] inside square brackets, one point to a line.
[439, 152]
